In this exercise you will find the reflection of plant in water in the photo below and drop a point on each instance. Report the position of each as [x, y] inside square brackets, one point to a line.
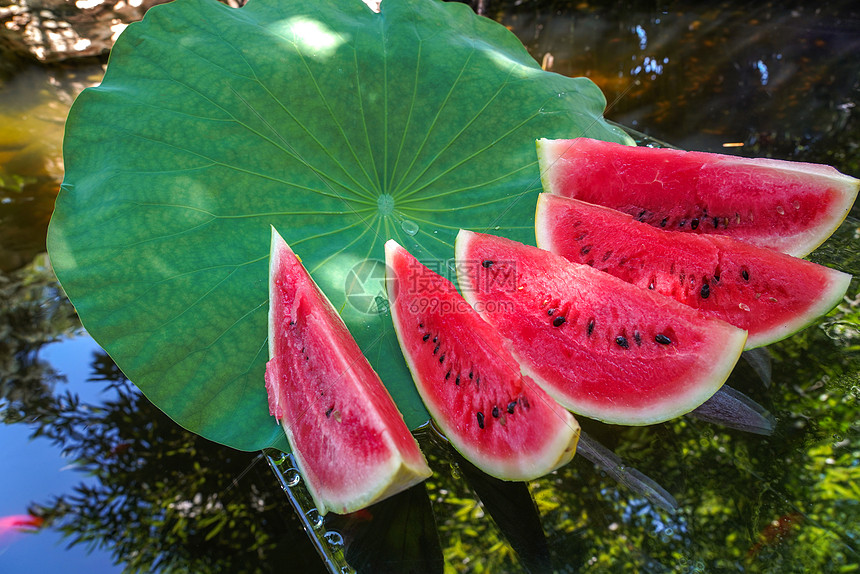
[166, 499]
[34, 313]
[471, 541]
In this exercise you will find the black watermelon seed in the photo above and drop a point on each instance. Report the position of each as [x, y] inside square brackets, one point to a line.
[436, 350]
[329, 411]
[471, 375]
[442, 358]
[651, 285]
[745, 274]
[622, 342]
[486, 263]
[511, 406]
[426, 336]
[641, 215]
[682, 223]
[550, 311]
[457, 381]
[716, 222]
[664, 222]
[585, 250]
[694, 224]
[436, 339]
[495, 412]
[637, 337]
[447, 375]
[706, 291]
[663, 339]
[590, 328]
[480, 416]
[558, 321]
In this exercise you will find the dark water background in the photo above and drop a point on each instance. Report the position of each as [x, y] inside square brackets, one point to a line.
[770, 80]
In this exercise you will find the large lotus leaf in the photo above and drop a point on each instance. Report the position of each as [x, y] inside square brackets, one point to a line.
[341, 127]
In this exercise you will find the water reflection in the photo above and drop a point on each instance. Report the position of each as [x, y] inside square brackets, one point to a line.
[777, 79]
[35, 104]
[780, 82]
[164, 499]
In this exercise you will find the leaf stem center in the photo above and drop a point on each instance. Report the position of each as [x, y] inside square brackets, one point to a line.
[385, 203]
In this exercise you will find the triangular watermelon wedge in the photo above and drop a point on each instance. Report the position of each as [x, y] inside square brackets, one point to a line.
[349, 440]
[601, 347]
[769, 294]
[788, 206]
[498, 419]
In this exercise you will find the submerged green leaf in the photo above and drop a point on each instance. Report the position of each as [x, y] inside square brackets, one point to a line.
[339, 126]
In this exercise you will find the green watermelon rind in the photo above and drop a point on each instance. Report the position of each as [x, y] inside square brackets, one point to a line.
[549, 151]
[708, 383]
[396, 474]
[827, 300]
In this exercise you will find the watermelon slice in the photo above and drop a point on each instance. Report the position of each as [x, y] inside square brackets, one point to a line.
[788, 206]
[499, 420]
[769, 294]
[601, 347]
[348, 438]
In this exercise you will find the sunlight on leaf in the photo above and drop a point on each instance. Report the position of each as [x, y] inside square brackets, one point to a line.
[341, 127]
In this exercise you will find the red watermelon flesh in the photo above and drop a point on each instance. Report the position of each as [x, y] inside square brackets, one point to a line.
[602, 347]
[769, 294]
[788, 206]
[349, 440]
[498, 419]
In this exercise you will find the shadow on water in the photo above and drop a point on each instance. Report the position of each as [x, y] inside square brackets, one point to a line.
[767, 80]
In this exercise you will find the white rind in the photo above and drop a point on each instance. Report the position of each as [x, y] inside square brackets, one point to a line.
[548, 153]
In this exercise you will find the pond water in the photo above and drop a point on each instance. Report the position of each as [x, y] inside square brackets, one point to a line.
[776, 81]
